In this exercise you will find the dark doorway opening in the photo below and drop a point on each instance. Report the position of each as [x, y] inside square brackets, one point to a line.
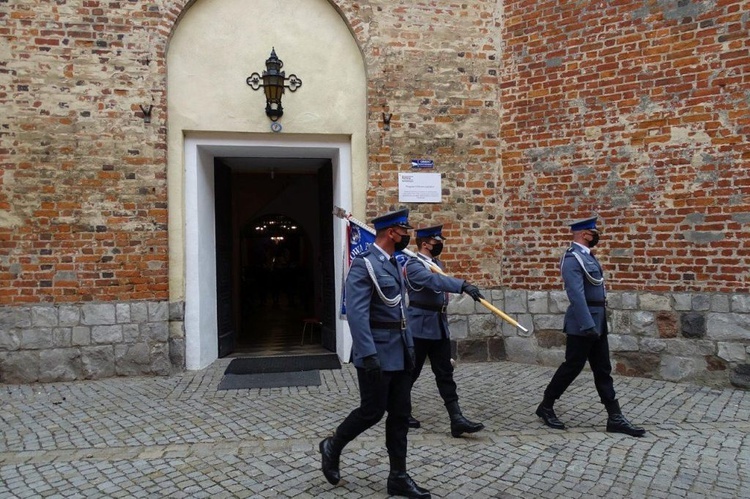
[277, 291]
[274, 256]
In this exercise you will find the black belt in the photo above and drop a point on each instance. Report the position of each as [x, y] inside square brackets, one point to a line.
[388, 325]
[428, 306]
[592, 303]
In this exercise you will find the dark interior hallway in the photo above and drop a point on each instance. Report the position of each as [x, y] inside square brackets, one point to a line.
[277, 330]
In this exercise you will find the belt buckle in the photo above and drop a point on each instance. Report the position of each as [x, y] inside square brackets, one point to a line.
[403, 323]
[444, 308]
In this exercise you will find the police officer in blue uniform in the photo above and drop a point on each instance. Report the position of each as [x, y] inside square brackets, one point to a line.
[383, 354]
[428, 322]
[586, 329]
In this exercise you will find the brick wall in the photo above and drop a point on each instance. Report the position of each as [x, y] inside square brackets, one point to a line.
[83, 206]
[435, 67]
[639, 111]
[535, 112]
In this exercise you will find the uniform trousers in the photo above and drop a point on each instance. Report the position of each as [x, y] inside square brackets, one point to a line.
[439, 352]
[392, 394]
[579, 349]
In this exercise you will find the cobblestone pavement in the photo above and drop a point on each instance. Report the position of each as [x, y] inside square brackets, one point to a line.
[178, 436]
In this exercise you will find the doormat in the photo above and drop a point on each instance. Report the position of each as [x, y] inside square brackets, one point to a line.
[283, 363]
[269, 380]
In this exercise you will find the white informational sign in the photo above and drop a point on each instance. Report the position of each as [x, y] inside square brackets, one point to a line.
[419, 188]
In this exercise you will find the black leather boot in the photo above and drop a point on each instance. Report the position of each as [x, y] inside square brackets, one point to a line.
[330, 451]
[617, 423]
[414, 423]
[547, 413]
[459, 424]
[401, 484]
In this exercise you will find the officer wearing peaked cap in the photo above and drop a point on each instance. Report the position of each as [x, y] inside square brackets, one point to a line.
[382, 351]
[586, 331]
[428, 322]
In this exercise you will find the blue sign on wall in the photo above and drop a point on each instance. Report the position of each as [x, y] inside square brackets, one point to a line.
[422, 163]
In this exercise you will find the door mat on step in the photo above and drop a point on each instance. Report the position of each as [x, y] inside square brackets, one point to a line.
[285, 363]
[269, 380]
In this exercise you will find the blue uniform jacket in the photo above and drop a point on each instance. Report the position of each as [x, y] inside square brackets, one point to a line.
[363, 304]
[580, 315]
[429, 288]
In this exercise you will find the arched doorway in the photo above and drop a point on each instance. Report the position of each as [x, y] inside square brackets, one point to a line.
[214, 115]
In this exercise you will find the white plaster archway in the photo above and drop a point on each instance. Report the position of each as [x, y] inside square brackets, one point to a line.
[212, 112]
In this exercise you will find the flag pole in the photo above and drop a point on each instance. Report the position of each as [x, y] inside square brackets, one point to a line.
[341, 213]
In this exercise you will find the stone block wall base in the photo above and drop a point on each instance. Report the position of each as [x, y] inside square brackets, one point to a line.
[479, 350]
[48, 343]
[740, 376]
[701, 338]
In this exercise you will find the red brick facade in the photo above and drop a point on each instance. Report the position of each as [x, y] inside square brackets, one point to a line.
[535, 112]
[639, 111]
[83, 208]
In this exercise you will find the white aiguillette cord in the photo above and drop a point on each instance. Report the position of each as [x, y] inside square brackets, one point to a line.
[391, 302]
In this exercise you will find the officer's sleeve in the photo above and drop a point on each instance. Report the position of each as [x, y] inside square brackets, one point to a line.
[359, 288]
[573, 277]
[420, 276]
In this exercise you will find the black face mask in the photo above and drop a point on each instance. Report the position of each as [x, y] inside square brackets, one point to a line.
[403, 243]
[594, 239]
[437, 248]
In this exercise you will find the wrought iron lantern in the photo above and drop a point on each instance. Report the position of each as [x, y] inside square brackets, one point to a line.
[274, 82]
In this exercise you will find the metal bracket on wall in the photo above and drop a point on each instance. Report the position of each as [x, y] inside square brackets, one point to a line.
[146, 113]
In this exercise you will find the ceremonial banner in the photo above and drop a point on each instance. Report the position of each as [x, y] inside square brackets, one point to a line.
[359, 238]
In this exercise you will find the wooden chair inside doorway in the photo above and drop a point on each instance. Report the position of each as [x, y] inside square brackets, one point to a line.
[310, 323]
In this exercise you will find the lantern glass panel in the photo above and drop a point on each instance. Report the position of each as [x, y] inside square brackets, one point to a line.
[273, 86]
